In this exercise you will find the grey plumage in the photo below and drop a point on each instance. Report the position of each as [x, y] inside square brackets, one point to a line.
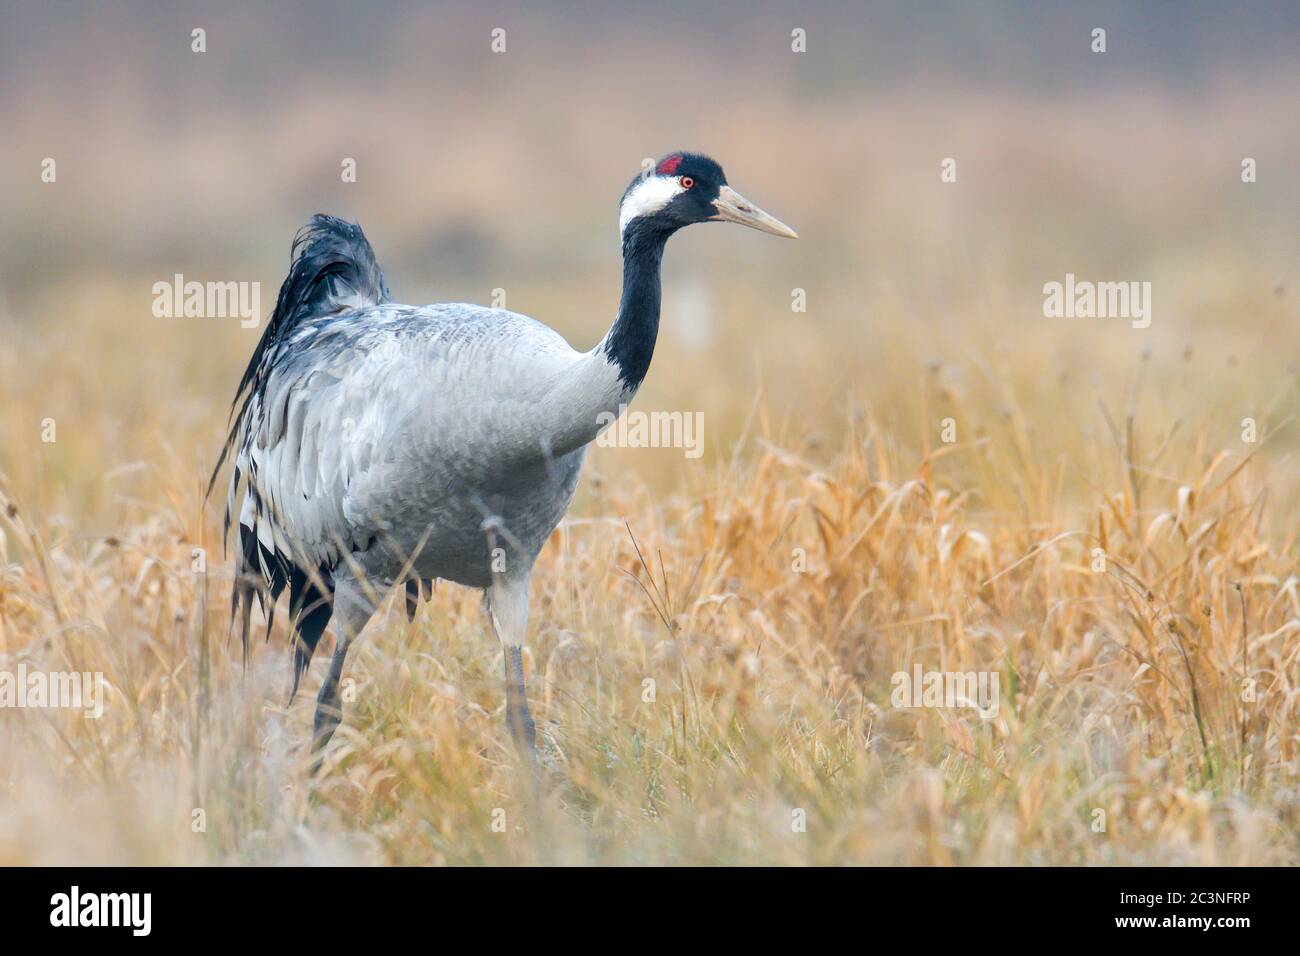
[379, 445]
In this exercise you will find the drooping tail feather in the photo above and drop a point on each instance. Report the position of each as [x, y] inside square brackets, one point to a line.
[332, 269]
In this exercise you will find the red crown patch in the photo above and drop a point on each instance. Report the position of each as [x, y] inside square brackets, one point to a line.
[668, 166]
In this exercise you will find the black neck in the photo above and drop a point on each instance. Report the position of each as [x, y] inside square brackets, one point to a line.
[631, 342]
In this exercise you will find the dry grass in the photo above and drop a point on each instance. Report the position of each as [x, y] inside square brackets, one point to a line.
[1121, 689]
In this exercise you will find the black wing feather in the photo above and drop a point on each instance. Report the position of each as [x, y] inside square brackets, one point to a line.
[332, 269]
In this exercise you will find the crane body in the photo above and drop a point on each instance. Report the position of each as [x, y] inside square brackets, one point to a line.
[379, 445]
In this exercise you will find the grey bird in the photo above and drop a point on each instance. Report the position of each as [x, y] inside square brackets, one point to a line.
[380, 445]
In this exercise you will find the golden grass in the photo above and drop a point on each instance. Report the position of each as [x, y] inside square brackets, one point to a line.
[1121, 690]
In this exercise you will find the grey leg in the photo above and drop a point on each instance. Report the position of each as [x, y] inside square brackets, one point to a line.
[329, 706]
[518, 717]
[352, 609]
[507, 601]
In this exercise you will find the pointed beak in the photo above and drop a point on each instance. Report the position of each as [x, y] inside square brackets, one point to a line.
[733, 207]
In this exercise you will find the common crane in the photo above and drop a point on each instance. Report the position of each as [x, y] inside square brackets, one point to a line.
[381, 445]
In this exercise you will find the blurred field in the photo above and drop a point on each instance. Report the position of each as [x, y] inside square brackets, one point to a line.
[1121, 690]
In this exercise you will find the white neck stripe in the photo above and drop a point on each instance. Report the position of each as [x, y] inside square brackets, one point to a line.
[647, 197]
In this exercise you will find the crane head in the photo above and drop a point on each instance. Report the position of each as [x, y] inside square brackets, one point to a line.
[684, 188]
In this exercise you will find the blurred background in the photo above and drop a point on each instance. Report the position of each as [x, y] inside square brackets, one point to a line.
[478, 170]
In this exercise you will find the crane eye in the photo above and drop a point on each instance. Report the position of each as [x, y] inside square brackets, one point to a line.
[687, 182]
